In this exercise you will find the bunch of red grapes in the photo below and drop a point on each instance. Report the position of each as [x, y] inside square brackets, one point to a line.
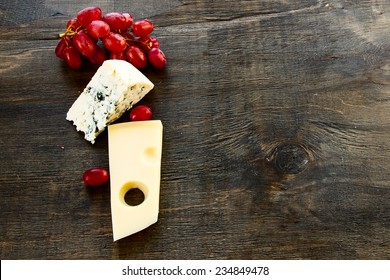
[100, 37]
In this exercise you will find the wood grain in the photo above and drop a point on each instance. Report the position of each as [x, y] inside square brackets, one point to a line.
[276, 134]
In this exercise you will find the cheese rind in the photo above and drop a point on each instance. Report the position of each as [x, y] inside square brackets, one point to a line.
[135, 150]
[115, 88]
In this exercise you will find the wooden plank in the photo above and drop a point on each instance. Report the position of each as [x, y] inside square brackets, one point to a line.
[276, 127]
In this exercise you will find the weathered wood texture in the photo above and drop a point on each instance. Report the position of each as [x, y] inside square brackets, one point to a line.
[276, 133]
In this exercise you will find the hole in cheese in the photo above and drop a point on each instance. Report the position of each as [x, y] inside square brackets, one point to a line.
[134, 197]
[133, 193]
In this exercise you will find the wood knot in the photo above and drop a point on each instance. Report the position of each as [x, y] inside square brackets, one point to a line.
[290, 158]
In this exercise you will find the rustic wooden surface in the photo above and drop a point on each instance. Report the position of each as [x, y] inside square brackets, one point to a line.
[276, 133]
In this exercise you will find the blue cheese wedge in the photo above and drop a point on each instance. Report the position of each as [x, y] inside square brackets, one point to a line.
[115, 88]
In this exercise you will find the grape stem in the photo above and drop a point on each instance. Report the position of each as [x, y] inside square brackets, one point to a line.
[69, 31]
[136, 41]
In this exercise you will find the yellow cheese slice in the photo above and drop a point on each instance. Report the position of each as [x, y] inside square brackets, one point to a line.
[135, 150]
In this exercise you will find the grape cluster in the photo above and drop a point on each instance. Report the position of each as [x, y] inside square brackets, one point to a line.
[114, 35]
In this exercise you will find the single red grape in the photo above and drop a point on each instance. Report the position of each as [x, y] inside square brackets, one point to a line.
[142, 27]
[98, 29]
[59, 51]
[114, 42]
[116, 21]
[129, 20]
[157, 58]
[87, 15]
[62, 44]
[95, 176]
[155, 42]
[83, 43]
[72, 57]
[141, 113]
[136, 56]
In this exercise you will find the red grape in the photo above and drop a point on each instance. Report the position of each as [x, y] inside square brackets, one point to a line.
[157, 58]
[99, 56]
[136, 56]
[98, 29]
[116, 21]
[120, 56]
[155, 42]
[72, 57]
[114, 42]
[141, 113]
[129, 20]
[87, 15]
[62, 44]
[59, 51]
[142, 27]
[95, 176]
[84, 43]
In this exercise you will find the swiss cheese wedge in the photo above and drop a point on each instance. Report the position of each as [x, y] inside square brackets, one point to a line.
[135, 150]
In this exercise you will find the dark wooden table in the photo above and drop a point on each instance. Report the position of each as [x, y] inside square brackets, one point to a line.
[276, 122]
